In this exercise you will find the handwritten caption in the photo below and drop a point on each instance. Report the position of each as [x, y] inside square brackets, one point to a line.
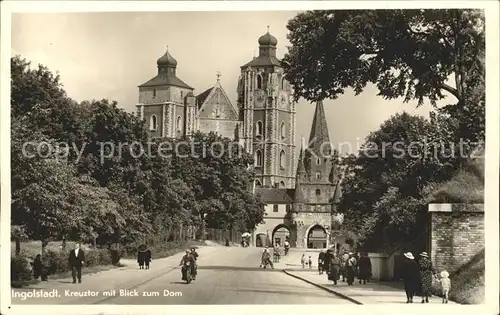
[55, 293]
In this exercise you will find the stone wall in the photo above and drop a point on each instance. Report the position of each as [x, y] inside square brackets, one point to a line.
[456, 234]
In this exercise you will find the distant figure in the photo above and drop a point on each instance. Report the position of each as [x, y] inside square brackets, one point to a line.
[76, 261]
[351, 268]
[39, 269]
[426, 274]
[343, 265]
[321, 260]
[227, 242]
[141, 258]
[445, 283]
[364, 268]
[410, 275]
[310, 262]
[266, 259]
[147, 259]
[334, 273]
[303, 260]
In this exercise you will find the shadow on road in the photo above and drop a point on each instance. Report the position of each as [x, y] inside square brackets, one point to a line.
[235, 268]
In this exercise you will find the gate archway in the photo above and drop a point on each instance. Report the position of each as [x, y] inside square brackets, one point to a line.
[317, 237]
[281, 233]
[261, 240]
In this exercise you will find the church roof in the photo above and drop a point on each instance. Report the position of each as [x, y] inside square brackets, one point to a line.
[319, 129]
[166, 79]
[200, 98]
[263, 61]
[276, 195]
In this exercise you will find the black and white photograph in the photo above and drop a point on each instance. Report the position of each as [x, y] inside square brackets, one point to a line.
[288, 156]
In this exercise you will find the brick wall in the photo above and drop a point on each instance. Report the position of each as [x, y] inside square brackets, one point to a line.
[457, 234]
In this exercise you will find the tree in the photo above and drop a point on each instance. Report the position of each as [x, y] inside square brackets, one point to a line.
[385, 181]
[405, 53]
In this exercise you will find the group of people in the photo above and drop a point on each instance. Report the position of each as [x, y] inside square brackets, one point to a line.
[417, 275]
[76, 261]
[190, 256]
[144, 258]
[346, 267]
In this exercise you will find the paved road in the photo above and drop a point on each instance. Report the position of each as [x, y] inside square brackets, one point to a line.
[226, 276]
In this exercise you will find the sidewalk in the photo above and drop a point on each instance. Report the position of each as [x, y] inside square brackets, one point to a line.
[370, 293]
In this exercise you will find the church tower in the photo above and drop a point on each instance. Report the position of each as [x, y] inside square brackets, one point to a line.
[166, 102]
[268, 113]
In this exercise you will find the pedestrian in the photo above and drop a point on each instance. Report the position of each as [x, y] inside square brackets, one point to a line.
[445, 283]
[76, 261]
[327, 261]
[321, 260]
[426, 272]
[410, 275]
[334, 270]
[147, 258]
[351, 269]
[310, 262]
[303, 260]
[364, 268]
[141, 258]
[343, 265]
[39, 270]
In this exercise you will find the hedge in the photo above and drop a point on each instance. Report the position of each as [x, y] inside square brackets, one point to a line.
[57, 262]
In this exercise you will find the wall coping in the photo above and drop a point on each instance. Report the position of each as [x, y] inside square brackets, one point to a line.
[456, 207]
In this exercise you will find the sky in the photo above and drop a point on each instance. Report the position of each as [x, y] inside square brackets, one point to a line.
[107, 55]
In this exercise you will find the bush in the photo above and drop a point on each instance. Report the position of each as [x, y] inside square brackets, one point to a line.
[20, 268]
[55, 261]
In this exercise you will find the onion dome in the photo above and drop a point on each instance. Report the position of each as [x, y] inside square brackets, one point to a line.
[268, 40]
[166, 60]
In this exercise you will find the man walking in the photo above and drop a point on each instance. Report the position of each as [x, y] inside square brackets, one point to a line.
[76, 260]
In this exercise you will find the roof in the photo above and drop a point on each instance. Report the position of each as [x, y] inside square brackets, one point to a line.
[466, 186]
[200, 98]
[263, 61]
[166, 79]
[276, 195]
[319, 128]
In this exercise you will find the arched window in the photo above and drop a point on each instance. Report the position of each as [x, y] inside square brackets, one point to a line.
[259, 81]
[259, 128]
[283, 130]
[179, 124]
[153, 123]
[318, 175]
[258, 158]
[282, 85]
[258, 183]
[282, 184]
[318, 192]
[282, 159]
[154, 93]
[318, 161]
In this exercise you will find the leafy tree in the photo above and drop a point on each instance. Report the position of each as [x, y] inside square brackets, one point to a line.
[405, 53]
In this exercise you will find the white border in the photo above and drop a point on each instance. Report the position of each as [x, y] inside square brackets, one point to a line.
[492, 152]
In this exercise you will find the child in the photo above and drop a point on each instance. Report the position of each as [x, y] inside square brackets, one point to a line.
[445, 285]
[303, 260]
[310, 262]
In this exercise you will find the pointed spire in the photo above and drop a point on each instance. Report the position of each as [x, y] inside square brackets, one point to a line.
[300, 166]
[268, 29]
[319, 130]
[218, 76]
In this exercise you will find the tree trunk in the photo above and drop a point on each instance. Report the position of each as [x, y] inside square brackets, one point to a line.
[63, 244]
[45, 243]
[18, 246]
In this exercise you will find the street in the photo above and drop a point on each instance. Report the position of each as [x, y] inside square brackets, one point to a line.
[226, 275]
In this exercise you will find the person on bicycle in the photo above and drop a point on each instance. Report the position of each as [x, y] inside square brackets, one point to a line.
[195, 265]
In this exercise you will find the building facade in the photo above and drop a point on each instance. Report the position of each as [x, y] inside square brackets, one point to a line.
[298, 196]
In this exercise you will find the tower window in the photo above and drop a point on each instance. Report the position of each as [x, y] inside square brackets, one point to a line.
[179, 124]
[182, 95]
[318, 192]
[258, 158]
[318, 175]
[318, 161]
[282, 160]
[153, 123]
[283, 131]
[154, 93]
[257, 183]
[288, 208]
[275, 208]
[283, 83]
[259, 81]
[259, 128]
[282, 184]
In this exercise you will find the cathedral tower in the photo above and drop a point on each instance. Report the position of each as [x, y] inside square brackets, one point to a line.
[166, 102]
[268, 114]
